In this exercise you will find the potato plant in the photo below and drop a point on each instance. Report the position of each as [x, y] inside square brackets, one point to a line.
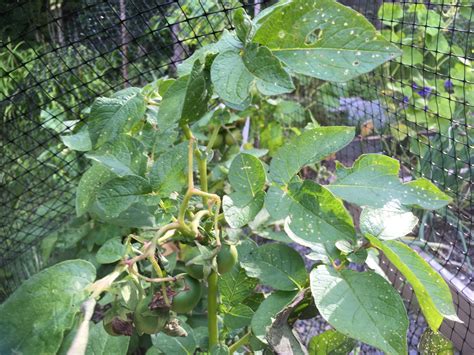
[187, 277]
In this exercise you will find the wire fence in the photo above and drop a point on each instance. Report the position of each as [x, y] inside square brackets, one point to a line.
[57, 56]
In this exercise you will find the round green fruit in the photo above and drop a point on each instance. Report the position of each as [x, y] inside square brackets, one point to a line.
[218, 142]
[148, 321]
[188, 296]
[196, 271]
[233, 137]
[227, 258]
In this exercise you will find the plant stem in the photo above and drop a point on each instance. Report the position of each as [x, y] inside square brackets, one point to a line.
[161, 275]
[202, 165]
[212, 309]
[234, 347]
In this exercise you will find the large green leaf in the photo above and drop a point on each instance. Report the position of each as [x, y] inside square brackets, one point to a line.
[323, 39]
[124, 156]
[331, 342]
[119, 194]
[186, 99]
[34, 319]
[315, 217]
[112, 251]
[110, 117]
[361, 305]
[230, 77]
[267, 311]
[310, 147]
[247, 177]
[102, 343]
[168, 174]
[392, 221]
[373, 181]
[89, 185]
[432, 292]
[233, 74]
[276, 265]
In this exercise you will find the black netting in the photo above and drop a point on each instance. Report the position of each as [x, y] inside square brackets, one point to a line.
[57, 56]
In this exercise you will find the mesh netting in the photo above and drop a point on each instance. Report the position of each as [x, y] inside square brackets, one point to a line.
[56, 58]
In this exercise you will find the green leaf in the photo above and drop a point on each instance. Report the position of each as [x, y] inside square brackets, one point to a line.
[243, 25]
[331, 342]
[124, 156]
[168, 174]
[432, 343]
[110, 117]
[276, 265]
[80, 141]
[323, 39]
[34, 319]
[220, 349]
[392, 221]
[102, 343]
[89, 185]
[235, 286]
[246, 173]
[432, 292]
[270, 76]
[349, 299]
[238, 316]
[310, 147]
[230, 77]
[119, 194]
[373, 181]
[247, 177]
[316, 218]
[269, 308]
[186, 99]
[112, 251]
[241, 207]
[175, 345]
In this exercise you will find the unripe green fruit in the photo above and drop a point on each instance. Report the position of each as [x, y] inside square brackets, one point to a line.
[218, 142]
[233, 137]
[196, 271]
[227, 258]
[188, 297]
[148, 321]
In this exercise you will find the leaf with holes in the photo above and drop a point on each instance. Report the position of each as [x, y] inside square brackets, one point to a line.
[323, 39]
[315, 218]
[349, 299]
[373, 181]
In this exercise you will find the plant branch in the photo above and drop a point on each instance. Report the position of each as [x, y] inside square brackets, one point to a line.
[212, 324]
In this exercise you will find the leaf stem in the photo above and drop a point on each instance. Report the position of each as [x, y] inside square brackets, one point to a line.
[161, 276]
[242, 341]
[212, 309]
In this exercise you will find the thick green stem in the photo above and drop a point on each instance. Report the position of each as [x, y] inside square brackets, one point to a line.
[212, 309]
